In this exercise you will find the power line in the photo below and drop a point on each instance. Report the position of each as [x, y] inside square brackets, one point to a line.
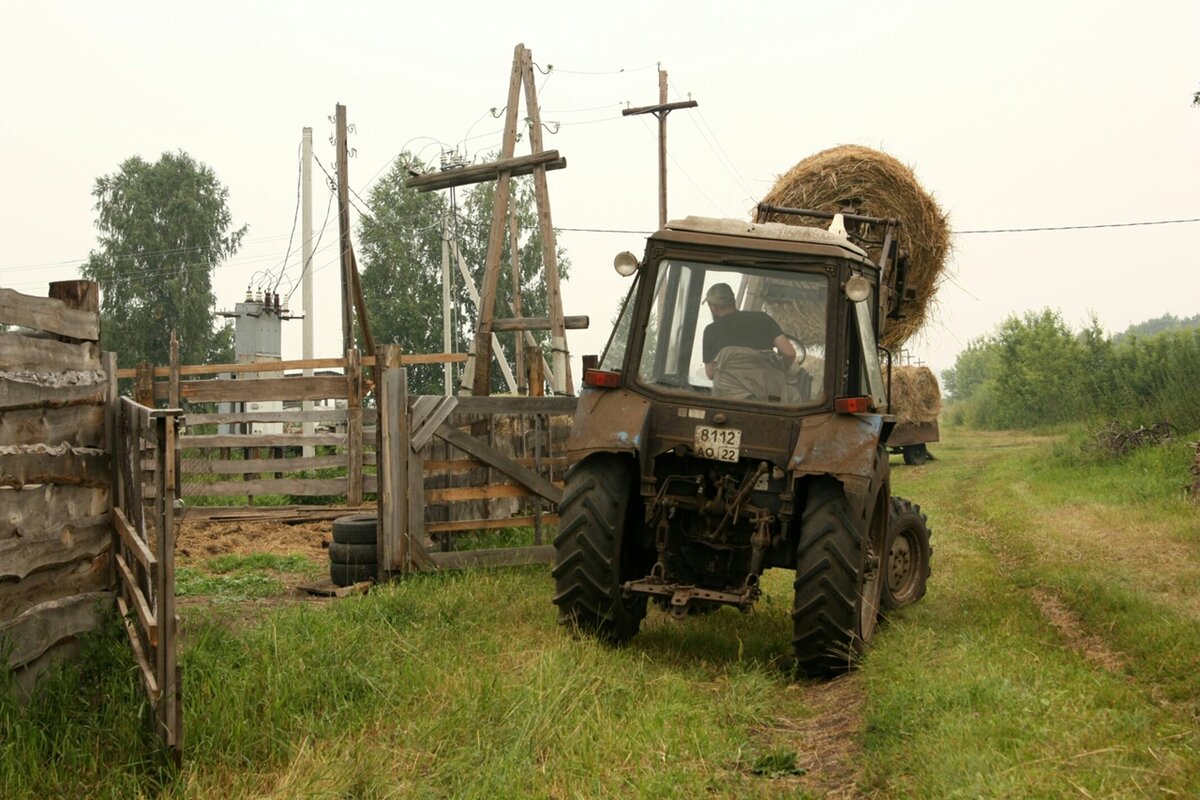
[295, 217]
[1079, 227]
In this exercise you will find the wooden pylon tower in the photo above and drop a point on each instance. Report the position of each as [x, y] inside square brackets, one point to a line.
[502, 171]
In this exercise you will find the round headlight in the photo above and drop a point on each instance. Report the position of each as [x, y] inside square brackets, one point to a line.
[858, 288]
[625, 264]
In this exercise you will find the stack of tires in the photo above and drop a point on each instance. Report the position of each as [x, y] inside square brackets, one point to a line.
[352, 556]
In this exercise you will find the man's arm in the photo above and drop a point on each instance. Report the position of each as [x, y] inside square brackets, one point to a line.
[786, 350]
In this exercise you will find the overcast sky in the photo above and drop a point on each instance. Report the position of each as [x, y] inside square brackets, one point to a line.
[1015, 115]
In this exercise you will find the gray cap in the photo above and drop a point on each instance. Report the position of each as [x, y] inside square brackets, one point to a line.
[720, 294]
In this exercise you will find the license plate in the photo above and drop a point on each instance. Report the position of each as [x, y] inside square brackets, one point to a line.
[719, 444]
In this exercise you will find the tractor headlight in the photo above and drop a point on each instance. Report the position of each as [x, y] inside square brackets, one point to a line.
[858, 289]
[625, 264]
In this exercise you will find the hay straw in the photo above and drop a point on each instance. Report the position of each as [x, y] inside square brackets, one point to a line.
[879, 186]
[916, 396]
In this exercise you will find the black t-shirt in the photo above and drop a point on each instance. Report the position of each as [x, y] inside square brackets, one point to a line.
[754, 329]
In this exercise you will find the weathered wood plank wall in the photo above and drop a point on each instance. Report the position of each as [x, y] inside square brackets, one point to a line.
[55, 486]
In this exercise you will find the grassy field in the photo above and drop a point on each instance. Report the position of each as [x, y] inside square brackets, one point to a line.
[1057, 654]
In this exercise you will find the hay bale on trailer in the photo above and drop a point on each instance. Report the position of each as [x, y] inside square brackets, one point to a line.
[916, 401]
[875, 184]
[916, 396]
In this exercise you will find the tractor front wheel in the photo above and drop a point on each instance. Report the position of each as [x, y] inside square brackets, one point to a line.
[908, 553]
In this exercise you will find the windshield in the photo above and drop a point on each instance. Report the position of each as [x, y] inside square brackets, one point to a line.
[738, 333]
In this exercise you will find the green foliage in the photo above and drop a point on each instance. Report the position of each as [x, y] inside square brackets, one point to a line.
[1167, 322]
[163, 228]
[401, 254]
[1034, 371]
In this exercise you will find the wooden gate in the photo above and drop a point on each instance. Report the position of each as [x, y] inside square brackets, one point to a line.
[145, 488]
[411, 427]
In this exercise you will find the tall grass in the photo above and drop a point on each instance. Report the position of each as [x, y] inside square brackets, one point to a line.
[462, 685]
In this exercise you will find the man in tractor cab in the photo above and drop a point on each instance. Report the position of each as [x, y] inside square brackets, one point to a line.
[738, 349]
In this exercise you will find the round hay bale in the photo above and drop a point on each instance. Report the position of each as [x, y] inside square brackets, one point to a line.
[876, 185]
[916, 396]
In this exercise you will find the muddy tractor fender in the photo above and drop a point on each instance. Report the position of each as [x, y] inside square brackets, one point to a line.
[608, 421]
[845, 446]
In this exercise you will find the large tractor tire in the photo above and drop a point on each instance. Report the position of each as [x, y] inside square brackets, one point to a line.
[908, 554]
[591, 548]
[838, 577]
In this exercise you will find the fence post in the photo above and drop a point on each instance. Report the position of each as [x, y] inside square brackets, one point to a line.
[392, 462]
[173, 386]
[169, 673]
[143, 392]
[354, 429]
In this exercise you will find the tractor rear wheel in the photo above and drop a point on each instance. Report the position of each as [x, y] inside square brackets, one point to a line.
[838, 578]
[908, 552]
[591, 548]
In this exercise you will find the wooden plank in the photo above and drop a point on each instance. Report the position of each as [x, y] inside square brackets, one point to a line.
[370, 484]
[70, 468]
[262, 440]
[293, 365]
[78, 426]
[427, 416]
[415, 525]
[54, 582]
[316, 415]
[285, 514]
[133, 540]
[26, 353]
[134, 590]
[87, 389]
[25, 678]
[71, 541]
[39, 628]
[354, 426]
[477, 173]
[503, 404]
[306, 487]
[457, 465]
[139, 652]
[499, 557]
[42, 512]
[391, 542]
[501, 462]
[48, 314]
[491, 492]
[259, 389]
[208, 466]
[538, 323]
[486, 524]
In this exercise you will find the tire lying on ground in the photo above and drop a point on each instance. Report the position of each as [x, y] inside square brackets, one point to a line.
[355, 529]
[907, 552]
[352, 555]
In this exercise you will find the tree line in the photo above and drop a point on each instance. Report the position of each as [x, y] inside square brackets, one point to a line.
[165, 226]
[1035, 370]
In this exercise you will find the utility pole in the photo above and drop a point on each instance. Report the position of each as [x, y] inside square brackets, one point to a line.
[447, 370]
[661, 111]
[306, 280]
[343, 190]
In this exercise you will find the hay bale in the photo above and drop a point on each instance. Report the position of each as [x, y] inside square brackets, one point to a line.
[916, 396]
[880, 186]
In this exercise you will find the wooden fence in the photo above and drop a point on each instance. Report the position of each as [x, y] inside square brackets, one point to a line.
[234, 467]
[143, 514]
[454, 465]
[55, 536]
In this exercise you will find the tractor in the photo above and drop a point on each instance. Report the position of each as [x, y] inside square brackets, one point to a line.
[736, 421]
